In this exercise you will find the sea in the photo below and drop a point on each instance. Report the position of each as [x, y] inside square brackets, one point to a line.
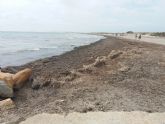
[17, 48]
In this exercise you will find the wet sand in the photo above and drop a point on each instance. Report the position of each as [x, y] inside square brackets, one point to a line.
[131, 81]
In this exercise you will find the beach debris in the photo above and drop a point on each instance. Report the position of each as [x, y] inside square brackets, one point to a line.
[135, 50]
[124, 69]
[9, 81]
[69, 75]
[6, 91]
[100, 61]
[86, 109]
[40, 82]
[73, 75]
[6, 104]
[65, 73]
[11, 70]
[86, 68]
[114, 54]
[55, 84]
[138, 51]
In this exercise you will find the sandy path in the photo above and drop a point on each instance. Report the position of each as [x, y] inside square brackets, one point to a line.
[151, 39]
[99, 118]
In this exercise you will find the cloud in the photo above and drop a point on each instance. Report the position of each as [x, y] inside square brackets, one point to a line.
[82, 15]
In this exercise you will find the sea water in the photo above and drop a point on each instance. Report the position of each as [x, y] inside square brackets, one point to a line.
[17, 48]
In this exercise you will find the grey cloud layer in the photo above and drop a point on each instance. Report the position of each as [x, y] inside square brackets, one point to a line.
[82, 15]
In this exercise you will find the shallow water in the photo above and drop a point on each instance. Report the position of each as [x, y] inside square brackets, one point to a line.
[18, 48]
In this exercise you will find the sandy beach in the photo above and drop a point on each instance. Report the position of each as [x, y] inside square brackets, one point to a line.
[112, 74]
[146, 38]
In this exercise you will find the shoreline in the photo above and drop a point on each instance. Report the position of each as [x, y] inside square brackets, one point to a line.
[54, 56]
[44, 46]
[80, 47]
[34, 63]
[125, 83]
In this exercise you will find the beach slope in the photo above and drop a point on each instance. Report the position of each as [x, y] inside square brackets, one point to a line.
[109, 75]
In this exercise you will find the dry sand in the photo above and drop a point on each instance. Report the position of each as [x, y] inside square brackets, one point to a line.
[99, 118]
[147, 38]
[93, 78]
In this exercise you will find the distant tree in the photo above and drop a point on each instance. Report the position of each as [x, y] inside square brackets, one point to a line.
[159, 34]
[130, 32]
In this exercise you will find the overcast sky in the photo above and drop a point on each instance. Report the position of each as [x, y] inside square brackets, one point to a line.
[82, 15]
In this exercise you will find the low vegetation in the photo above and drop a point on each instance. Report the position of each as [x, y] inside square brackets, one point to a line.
[160, 34]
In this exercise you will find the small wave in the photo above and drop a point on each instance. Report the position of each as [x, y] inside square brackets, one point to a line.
[33, 49]
[21, 51]
[48, 47]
